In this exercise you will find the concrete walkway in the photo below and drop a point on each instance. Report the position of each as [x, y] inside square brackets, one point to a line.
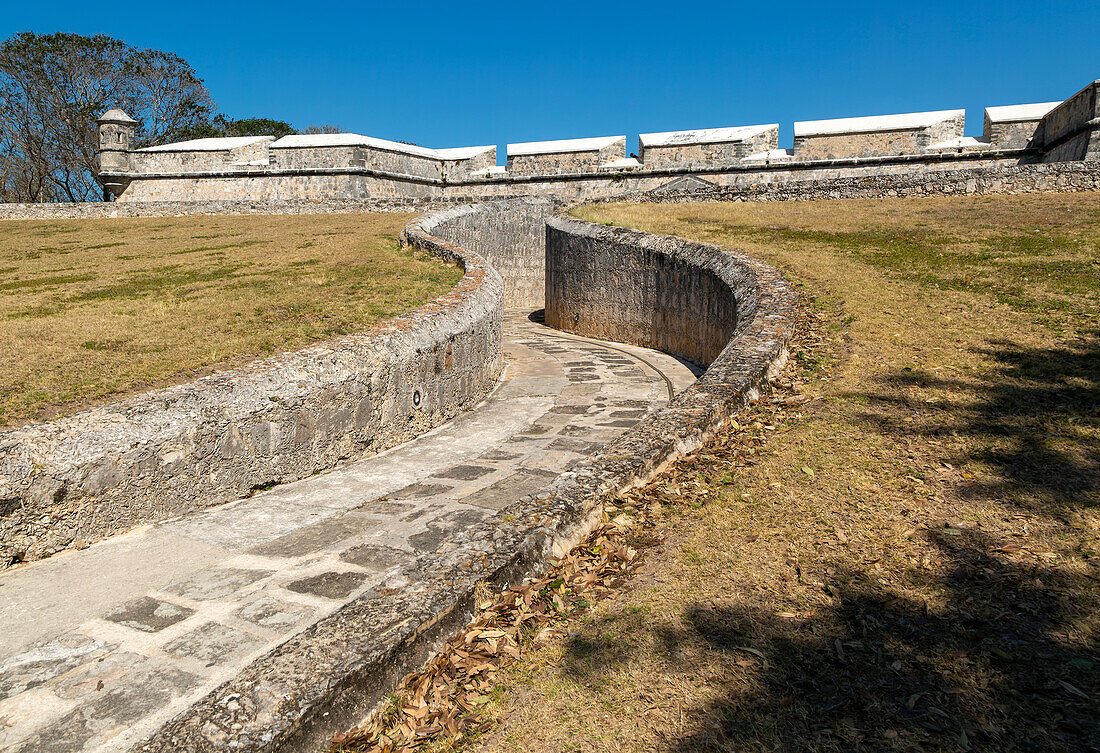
[100, 647]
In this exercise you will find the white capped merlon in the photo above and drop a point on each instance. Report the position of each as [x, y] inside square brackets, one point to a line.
[219, 144]
[900, 122]
[705, 135]
[320, 140]
[1012, 113]
[565, 145]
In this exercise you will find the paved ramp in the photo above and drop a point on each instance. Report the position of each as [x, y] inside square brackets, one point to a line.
[100, 647]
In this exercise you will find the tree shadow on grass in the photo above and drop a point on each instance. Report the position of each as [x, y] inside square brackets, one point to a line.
[990, 667]
[1033, 418]
[992, 649]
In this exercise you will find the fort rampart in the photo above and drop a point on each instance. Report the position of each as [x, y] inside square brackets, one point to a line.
[350, 166]
[946, 179]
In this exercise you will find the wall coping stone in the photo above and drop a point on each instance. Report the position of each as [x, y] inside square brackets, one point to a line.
[704, 135]
[874, 123]
[322, 140]
[562, 146]
[213, 144]
[1019, 113]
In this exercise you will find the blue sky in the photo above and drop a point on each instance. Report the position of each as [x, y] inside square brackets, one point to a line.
[459, 74]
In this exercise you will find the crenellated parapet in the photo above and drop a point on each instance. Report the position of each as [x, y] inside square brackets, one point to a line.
[877, 135]
[565, 156]
[728, 145]
[352, 166]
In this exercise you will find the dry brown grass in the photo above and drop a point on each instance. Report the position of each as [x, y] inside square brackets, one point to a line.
[901, 551]
[95, 309]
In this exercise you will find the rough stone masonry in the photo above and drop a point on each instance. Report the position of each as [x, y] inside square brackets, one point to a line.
[325, 167]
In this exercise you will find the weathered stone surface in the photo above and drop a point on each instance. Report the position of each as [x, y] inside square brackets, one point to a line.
[499, 495]
[464, 472]
[510, 235]
[215, 583]
[342, 521]
[110, 710]
[331, 585]
[317, 537]
[271, 613]
[149, 615]
[324, 679]
[869, 184]
[374, 556]
[42, 663]
[148, 457]
[212, 643]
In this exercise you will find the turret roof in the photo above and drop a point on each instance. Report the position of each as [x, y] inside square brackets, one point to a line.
[116, 114]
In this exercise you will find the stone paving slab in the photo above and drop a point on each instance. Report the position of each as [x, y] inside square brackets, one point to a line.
[100, 647]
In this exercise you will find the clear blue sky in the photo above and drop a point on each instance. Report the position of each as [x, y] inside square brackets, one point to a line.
[459, 74]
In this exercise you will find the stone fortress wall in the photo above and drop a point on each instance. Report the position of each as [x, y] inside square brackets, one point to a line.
[349, 166]
[713, 145]
[877, 136]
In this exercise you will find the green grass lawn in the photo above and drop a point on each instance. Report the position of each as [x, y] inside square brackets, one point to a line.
[94, 309]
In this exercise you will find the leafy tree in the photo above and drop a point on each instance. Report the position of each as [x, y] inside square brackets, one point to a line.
[54, 86]
[220, 126]
[257, 127]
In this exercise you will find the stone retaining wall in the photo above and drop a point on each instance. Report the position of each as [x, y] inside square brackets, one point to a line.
[326, 679]
[105, 470]
[109, 209]
[650, 291]
[612, 183]
[511, 235]
[997, 179]
[966, 174]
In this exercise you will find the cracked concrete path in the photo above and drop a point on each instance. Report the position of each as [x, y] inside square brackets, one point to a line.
[99, 647]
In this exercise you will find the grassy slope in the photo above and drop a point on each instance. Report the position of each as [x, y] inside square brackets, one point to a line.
[907, 561]
[93, 309]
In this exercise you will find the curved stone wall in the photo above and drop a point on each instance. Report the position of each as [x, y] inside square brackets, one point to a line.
[326, 679]
[107, 469]
[510, 234]
[642, 289]
[159, 454]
